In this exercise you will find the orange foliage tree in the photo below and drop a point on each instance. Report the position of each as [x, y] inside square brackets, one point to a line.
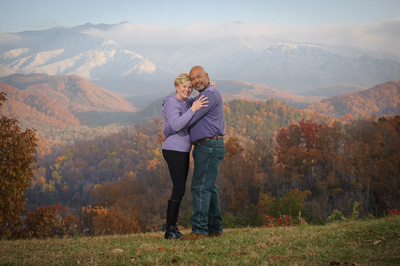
[17, 158]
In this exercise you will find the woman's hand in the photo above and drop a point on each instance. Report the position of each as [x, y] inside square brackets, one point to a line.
[212, 83]
[161, 138]
[200, 103]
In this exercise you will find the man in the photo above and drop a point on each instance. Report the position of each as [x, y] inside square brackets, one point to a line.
[207, 128]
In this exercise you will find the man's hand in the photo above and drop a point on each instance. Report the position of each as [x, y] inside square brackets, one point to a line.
[161, 138]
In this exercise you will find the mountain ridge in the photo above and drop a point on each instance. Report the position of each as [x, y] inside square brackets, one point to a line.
[80, 94]
[239, 89]
[60, 51]
[94, 52]
[382, 99]
[62, 108]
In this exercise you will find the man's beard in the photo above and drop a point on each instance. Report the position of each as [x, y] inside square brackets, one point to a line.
[200, 86]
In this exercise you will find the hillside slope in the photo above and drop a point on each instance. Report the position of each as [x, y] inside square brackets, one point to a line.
[74, 92]
[62, 103]
[383, 99]
[238, 89]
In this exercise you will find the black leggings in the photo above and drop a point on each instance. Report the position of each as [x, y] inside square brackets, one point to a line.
[178, 165]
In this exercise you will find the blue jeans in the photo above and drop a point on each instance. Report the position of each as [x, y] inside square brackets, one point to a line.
[206, 216]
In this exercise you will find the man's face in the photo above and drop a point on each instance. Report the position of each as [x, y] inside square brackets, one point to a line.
[199, 78]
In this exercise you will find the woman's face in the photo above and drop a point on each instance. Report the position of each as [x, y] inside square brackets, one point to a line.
[184, 90]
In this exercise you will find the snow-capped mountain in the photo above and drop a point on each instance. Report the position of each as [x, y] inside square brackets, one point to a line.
[93, 52]
[68, 51]
[285, 66]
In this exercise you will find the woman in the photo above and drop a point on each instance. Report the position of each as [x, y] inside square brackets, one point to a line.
[177, 111]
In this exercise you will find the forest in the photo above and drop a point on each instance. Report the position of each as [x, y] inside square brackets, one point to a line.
[279, 161]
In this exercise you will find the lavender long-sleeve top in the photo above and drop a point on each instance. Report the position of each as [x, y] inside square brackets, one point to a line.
[177, 115]
[208, 121]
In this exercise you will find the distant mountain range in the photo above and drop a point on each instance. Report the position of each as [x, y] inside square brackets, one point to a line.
[149, 70]
[68, 51]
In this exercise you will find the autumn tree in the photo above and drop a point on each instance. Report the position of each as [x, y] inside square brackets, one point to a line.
[373, 167]
[298, 153]
[17, 158]
[235, 177]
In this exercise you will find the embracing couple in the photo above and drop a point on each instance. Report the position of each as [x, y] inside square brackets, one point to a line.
[197, 122]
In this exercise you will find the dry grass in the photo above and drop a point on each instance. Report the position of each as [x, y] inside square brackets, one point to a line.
[372, 242]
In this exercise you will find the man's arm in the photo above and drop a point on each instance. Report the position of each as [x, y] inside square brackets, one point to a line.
[203, 111]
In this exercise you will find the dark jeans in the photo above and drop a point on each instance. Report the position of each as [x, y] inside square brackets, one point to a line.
[178, 165]
[206, 216]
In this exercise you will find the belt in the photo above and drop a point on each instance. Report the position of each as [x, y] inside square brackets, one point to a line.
[205, 139]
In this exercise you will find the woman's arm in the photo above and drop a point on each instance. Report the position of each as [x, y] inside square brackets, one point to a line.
[176, 121]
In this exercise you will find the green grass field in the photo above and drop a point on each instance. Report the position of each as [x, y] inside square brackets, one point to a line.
[371, 242]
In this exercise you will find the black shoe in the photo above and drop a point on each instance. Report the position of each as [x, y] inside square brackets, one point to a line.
[172, 232]
[179, 232]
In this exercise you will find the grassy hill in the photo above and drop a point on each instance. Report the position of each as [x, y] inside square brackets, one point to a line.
[371, 242]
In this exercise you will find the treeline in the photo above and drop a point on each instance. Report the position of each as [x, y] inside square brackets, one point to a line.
[263, 119]
[316, 170]
[311, 169]
[124, 172]
[70, 177]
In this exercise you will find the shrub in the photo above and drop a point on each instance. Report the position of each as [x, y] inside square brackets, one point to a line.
[289, 205]
[336, 216]
[44, 222]
[394, 212]
[71, 225]
[114, 222]
[86, 216]
[284, 221]
[355, 215]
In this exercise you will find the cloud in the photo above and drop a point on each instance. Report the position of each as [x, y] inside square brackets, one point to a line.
[8, 41]
[384, 36]
[48, 23]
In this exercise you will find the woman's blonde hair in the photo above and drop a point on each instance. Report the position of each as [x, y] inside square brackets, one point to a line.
[181, 78]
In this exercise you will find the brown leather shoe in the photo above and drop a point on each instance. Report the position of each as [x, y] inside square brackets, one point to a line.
[211, 234]
[194, 236]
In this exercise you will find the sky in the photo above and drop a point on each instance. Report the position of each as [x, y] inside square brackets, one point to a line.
[370, 24]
